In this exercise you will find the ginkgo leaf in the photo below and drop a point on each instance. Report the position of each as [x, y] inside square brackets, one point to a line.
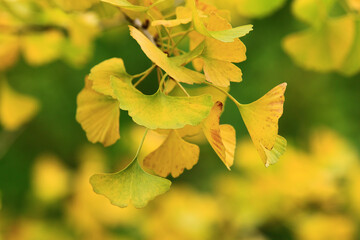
[221, 73]
[173, 68]
[354, 4]
[100, 75]
[42, 48]
[126, 5]
[98, 115]
[213, 133]
[159, 110]
[71, 5]
[9, 50]
[183, 16]
[312, 12]
[261, 119]
[15, 108]
[257, 8]
[276, 152]
[323, 48]
[131, 185]
[227, 35]
[187, 57]
[351, 64]
[173, 156]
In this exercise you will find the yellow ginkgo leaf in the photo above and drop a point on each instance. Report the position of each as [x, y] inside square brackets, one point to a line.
[351, 65]
[42, 48]
[160, 110]
[71, 5]
[173, 156]
[214, 135]
[221, 73]
[98, 115]
[126, 5]
[354, 4]
[257, 8]
[227, 35]
[261, 119]
[324, 48]
[9, 50]
[173, 68]
[313, 12]
[183, 16]
[15, 109]
[132, 184]
[100, 75]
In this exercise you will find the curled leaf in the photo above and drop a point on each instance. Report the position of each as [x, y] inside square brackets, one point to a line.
[159, 110]
[100, 75]
[261, 119]
[131, 185]
[173, 156]
[173, 68]
[98, 115]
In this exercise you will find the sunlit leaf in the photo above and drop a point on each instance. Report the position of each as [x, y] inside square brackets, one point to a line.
[257, 8]
[227, 35]
[216, 134]
[71, 5]
[351, 65]
[324, 48]
[221, 73]
[175, 71]
[261, 119]
[312, 12]
[131, 185]
[9, 50]
[42, 48]
[159, 110]
[100, 75]
[173, 156]
[15, 108]
[98, 115]
[183, 16]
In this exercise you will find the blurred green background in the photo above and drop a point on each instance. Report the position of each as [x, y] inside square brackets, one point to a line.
[313, 101]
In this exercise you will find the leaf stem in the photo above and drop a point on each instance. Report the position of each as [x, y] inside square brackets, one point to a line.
[162, 81]
[141, 143]
[226, 93]
[144, 75]
[181, 87]
[179, 41]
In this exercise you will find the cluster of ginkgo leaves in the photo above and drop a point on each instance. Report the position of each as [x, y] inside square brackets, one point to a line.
[332, 41]
[42, 32]
[175, 110]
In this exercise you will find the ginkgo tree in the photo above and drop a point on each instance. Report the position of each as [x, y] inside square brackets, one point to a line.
[175, 110]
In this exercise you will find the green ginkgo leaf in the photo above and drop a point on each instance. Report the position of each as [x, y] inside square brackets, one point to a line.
[131, 185]
[159, 110]
[172, 67]
[227, 35]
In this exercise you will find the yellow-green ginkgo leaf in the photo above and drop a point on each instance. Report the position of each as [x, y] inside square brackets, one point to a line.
[15, 108]
[100, 75]
[71, 5]
[257, 8]
[221, 73]
[173, 156]
[313, 12]
[9, 50]
[126, 5]
[276, 152]
[131, 185]
[98, 115]
[322, 49]
[173, 68]
[213, 133]
[42, 48]
[351, 65]
[159, 110]
[261, 119]
[183, 16]
[227, 35]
